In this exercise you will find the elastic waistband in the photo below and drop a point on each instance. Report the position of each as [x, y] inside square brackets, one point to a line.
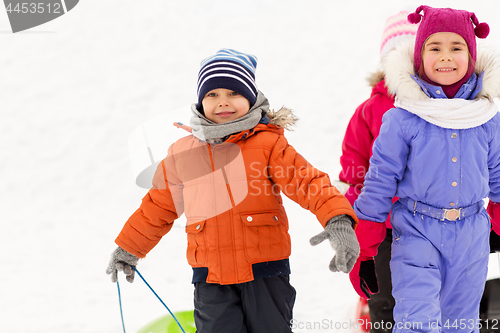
[441, 213]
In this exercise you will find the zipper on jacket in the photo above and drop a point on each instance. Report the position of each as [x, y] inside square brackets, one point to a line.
[235, 266]
[223, 174]
[228, 188]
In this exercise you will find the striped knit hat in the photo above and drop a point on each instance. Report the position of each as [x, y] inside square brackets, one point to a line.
[228, 69]
[397, 29]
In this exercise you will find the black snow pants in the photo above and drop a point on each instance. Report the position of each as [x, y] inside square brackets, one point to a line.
[260, 306]
[382, 304]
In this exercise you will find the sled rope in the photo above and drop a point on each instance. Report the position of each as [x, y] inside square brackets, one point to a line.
[147, 284]
[120, 301]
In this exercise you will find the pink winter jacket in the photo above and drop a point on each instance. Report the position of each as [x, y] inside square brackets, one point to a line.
[361, 132]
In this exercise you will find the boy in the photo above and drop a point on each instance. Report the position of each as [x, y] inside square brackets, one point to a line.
[227, 178]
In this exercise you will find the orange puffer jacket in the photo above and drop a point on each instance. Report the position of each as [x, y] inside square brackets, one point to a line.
[230, 194]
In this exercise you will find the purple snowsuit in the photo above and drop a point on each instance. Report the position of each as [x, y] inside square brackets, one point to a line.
[438, 266]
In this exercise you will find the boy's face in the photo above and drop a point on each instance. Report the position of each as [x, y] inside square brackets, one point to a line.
[223, 105]
[445, 57]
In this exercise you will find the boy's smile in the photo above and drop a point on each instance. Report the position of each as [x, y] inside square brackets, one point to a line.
[224, 105]
[445, 57]
[225, 114]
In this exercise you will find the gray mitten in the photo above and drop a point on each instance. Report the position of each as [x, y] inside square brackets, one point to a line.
[121, 260]
[343, 240]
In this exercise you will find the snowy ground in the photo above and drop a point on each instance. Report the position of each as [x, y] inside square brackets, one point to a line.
[73, 90]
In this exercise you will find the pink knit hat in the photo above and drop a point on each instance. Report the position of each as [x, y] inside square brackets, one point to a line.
[437, 20]
[397, 29]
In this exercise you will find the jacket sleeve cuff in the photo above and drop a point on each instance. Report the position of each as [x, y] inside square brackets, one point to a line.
[370, 235]
[341, 217]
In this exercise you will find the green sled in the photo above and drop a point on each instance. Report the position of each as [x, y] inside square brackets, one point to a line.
[167, 324]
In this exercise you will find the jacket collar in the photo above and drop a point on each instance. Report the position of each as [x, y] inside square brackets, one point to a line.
[263, 125]
[469, 89]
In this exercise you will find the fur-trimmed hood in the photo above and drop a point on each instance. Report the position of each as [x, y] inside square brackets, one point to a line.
[283, 118]
[398, 67]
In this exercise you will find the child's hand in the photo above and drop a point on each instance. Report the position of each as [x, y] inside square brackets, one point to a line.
[363, 276]
[343, 240]
[121, 260]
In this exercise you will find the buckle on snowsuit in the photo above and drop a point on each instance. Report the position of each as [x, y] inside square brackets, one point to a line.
[451, 214]
[441, 213]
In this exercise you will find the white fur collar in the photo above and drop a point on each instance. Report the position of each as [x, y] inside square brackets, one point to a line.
[398, 66]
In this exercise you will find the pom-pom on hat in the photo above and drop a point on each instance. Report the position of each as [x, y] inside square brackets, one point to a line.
[396, 30]
[436, 20]
[228, 69]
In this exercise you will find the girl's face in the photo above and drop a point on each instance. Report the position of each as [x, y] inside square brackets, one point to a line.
[223, 105]
[445, 57]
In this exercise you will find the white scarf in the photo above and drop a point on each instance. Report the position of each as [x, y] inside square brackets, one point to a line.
[456, 113]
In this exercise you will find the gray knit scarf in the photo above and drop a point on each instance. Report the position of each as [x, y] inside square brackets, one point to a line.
[208, 131]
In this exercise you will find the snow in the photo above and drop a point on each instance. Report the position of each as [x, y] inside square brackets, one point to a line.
[74, 90]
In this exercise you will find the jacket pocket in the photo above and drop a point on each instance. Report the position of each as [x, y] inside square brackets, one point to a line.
[266, 236]
[196, 250]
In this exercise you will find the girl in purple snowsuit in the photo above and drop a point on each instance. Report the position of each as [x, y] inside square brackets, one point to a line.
[438, 151]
